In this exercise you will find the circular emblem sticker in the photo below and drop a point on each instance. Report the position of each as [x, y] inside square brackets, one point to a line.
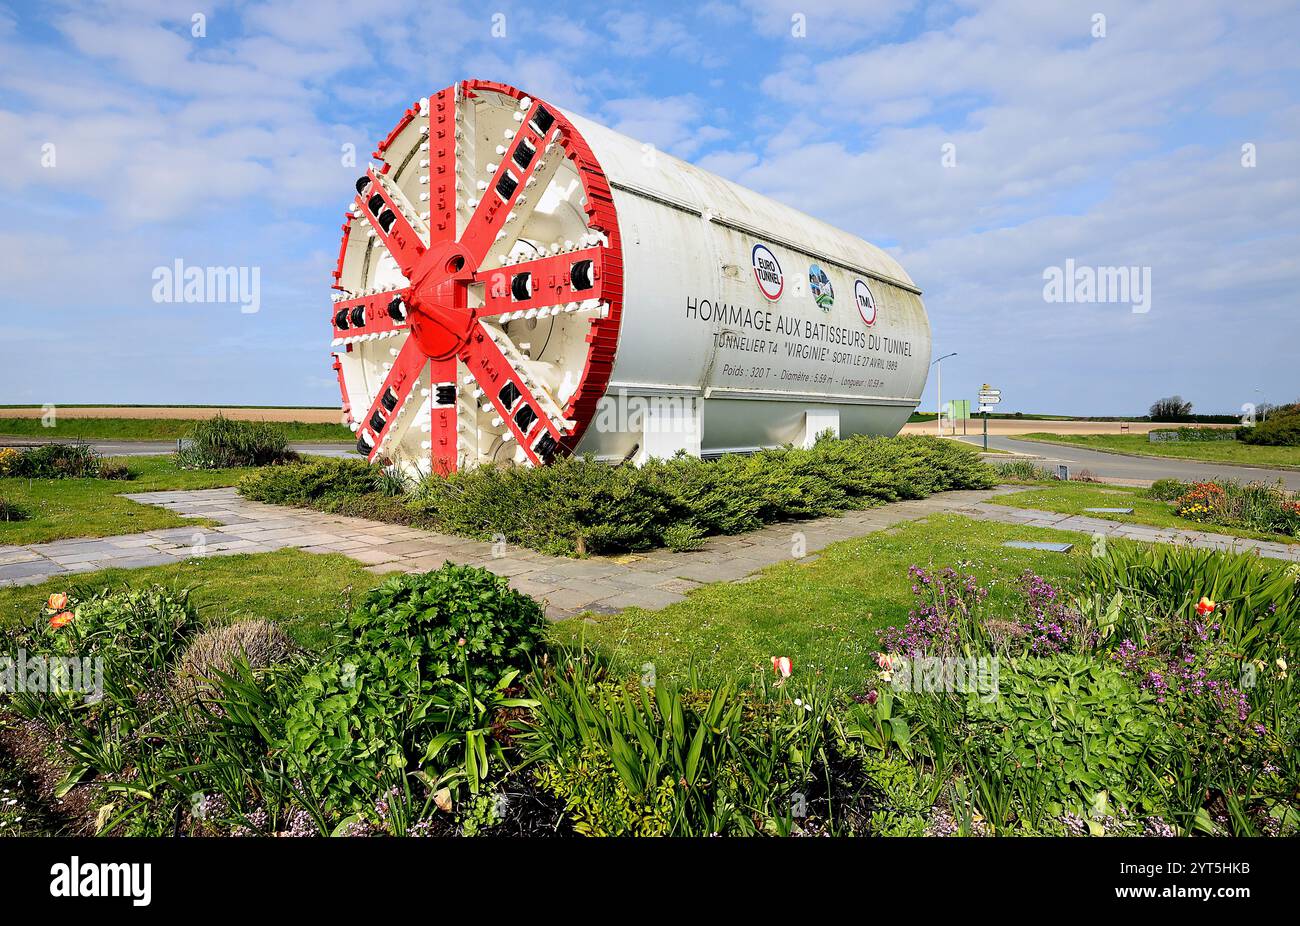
[767, 271]
[866, 302]
[822, 291]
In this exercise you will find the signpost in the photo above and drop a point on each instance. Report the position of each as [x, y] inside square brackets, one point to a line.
[988, 397]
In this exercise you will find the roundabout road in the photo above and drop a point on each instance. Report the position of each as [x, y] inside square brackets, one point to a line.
[1118, 467]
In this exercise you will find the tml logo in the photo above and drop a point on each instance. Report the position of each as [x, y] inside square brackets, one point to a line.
[865, 301]
[104, 879]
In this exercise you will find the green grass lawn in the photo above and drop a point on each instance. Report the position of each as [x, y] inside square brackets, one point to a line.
[69, 429]
[63, 508]
[1225, 451]
[302, 591]
[1073, 497]
[824, 614]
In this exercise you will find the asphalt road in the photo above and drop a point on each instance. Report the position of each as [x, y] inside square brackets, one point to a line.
[1125, 468]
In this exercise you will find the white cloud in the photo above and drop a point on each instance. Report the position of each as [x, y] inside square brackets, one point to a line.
[828, 22]
[672, 124]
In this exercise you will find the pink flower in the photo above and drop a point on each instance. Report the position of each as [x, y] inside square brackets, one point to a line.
[782, 666]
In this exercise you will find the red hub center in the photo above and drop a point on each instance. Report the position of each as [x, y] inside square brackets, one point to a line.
[441, 320]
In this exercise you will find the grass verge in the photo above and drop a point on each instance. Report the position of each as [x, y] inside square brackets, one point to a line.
[824, 612]
[301, 591]
[1227, 451]
[69, 429]
[62, 508]
[1073, 497]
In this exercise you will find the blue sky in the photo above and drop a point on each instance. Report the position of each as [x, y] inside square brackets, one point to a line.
[1115, 149]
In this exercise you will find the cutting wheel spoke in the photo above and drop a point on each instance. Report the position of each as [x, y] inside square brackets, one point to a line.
[394, 220]
[382, 313]
[525, 411]
[382, 422]
[528, 162]
[443, 424]
[566, 282]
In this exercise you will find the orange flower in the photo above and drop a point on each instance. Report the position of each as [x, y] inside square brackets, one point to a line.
[1205, 606]
[62, 619]
[57, 602]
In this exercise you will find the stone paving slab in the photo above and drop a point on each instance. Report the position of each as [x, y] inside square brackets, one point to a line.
[41, 568]
[1130, 531]
[651, 599]
[568, 587]
[17, 555]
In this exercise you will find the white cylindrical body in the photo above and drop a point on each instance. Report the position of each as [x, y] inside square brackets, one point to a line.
[515, 282]
[698, 327]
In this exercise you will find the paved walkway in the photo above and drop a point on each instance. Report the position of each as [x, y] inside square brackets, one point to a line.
[568, 586]
[1033, 517]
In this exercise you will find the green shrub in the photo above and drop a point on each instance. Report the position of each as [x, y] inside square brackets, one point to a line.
[439, 618]
[572, 506]
[61, 461]
[1280, 429]
[420, 666]
[113, 470]
[348, 727]
[1070, 726]
[1197, 435]
[310, 483]
[599, 799]
[1021, 471]
[221, 442]
[582, 506]
[1166, 490]
[684, 537]
[12, 511]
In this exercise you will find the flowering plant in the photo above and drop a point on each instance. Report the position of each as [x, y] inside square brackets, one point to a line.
[1185, 663]
[948, 618]
[942, 618]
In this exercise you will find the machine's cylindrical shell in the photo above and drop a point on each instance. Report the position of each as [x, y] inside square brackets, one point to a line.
[697, 324]
[515, 282]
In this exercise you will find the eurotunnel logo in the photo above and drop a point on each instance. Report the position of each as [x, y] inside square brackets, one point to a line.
[767, 271]
[820, 286]
[865, 301]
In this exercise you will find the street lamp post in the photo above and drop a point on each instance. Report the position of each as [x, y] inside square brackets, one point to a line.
[938, 395]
